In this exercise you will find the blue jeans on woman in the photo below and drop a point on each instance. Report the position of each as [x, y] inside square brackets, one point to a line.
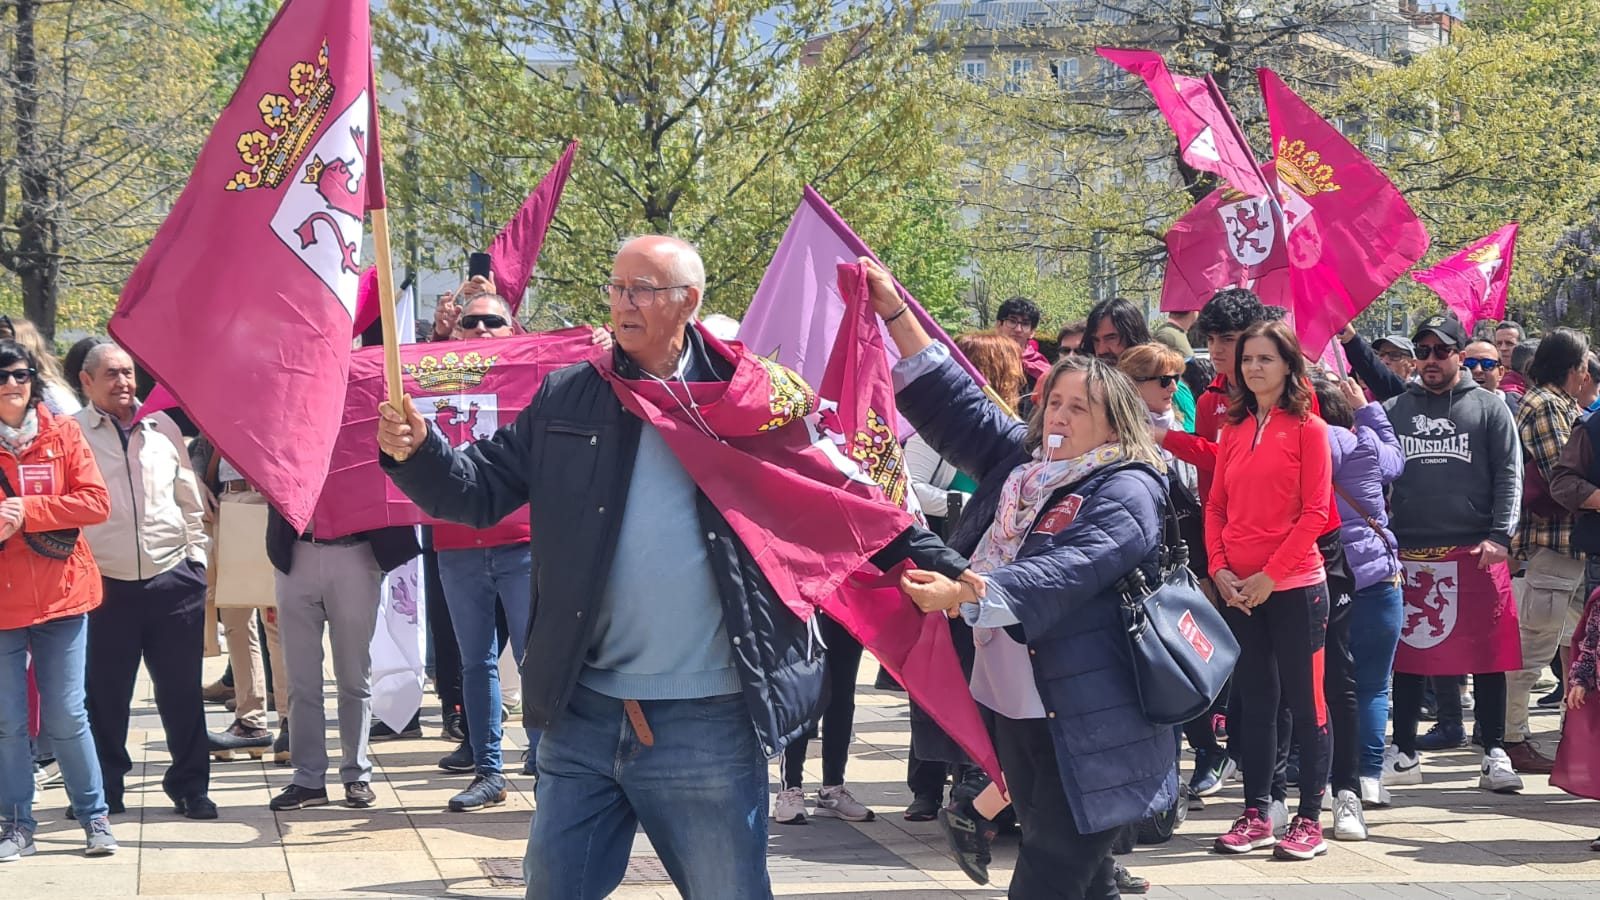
[58, 648]
[1374, 634]
[699, 790]
[472, 580]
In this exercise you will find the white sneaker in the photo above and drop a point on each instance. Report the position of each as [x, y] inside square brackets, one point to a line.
[1467, 701]
[1498, 776]
[837, 801]
[1373, 794]
[1327, 799]
[790, 808]
[1401, 768]
[1278, 816]
[1348, 822]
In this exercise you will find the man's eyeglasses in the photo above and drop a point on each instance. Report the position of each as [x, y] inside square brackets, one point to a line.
[1394, 356]
[20, 376]
[489, 321]
[1488, 365]
[1437, 351]
[1022, 324]
[1166, 380]
[640, 295]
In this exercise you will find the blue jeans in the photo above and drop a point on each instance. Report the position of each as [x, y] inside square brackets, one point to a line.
[700, 792]
[58, 665]
[1374, 633]
[472, 580]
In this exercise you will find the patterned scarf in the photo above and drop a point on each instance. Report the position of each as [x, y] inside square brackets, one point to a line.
[18, 440]
[1028, 486]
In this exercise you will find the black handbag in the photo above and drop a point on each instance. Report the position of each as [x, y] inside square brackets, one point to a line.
[48, 544]
[1182, 650]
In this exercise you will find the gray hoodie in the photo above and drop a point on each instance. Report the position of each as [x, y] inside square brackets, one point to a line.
[1463, 477]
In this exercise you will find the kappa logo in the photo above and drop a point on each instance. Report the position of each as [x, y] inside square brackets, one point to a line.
[1190, 629]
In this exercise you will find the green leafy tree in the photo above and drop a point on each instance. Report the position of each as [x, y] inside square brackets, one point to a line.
[699, 117]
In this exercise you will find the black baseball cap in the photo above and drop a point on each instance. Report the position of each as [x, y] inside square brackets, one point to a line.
[1445, 328]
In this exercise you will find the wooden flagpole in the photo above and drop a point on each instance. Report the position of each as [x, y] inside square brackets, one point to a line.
[386, 309]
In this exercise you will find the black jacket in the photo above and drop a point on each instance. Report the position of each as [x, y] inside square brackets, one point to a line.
[569, 456]
[393, 547]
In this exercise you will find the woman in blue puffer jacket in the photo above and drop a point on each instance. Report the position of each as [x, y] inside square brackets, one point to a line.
[1366, 459]
[1066, 506]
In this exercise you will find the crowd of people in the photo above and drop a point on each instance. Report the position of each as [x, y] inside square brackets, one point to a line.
[1407, 540]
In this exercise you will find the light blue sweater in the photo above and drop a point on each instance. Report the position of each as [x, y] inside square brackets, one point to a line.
[659, 634]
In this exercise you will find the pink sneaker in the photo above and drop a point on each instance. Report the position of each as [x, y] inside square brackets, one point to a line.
[1252, 831]
[1303, 841]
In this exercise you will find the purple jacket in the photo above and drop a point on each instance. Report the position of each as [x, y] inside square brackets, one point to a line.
[1365, 461]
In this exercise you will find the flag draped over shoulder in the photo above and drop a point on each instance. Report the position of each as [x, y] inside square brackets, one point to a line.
[515, 249]
[1208, 137]
[795, 316]
[465, 389]
[1349, 232]
[243, 305]
[1473, 282]
[813, 487]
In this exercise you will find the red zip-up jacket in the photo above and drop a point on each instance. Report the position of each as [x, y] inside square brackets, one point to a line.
[1270, 499]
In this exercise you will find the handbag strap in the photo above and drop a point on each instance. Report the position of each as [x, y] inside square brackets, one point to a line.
[5, 482]
[1371, 521]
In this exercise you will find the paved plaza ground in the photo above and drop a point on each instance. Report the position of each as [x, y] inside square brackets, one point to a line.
[1444, 838]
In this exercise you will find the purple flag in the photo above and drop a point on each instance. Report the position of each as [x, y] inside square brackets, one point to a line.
[797, 309]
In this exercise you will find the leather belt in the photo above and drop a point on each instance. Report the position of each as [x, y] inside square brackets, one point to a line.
[637, 720]
[345, 541]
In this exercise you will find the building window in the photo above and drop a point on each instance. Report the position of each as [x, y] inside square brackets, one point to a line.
[1066, 72]
[975, 70]
[1112, 76]
[1017, 75]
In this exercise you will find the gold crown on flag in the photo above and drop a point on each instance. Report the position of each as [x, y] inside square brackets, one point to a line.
[288, 123]
[452, 372]
[1304, 169]
[1488, 253]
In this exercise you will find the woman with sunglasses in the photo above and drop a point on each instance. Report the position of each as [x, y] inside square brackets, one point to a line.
[1269, 503]
[52, 488]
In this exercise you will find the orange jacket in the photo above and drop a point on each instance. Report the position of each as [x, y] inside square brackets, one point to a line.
[64, 491]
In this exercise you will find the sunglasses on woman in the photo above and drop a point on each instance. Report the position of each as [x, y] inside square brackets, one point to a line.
[489, 321]
[1488, 365]
[1166, 380]
[20, 376]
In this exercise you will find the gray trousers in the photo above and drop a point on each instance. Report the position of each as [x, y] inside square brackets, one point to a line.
[336, 586]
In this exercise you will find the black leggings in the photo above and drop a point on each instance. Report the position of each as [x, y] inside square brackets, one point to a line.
[1056, 860]
[839, 720]
[1281, 645]
[1488, 692]
[1339, 687]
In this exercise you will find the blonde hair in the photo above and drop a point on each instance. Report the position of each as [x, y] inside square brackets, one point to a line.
[1125, 412]
[1153, 360]
[49, 368]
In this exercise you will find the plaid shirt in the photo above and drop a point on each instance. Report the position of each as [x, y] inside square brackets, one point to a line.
[1543, 424]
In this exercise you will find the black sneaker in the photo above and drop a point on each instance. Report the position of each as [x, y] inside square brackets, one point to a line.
[280, 748]
[296, 797]
[923, 808]
[1553, 699]
[1129, 883]
[382, 732]
[486, 790]
[197, 807]
[460, 761]
[453, 730]
[969, 837]
[359, 795]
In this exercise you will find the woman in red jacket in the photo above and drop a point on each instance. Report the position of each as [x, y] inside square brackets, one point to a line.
[1269, 502]
[48, 584]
